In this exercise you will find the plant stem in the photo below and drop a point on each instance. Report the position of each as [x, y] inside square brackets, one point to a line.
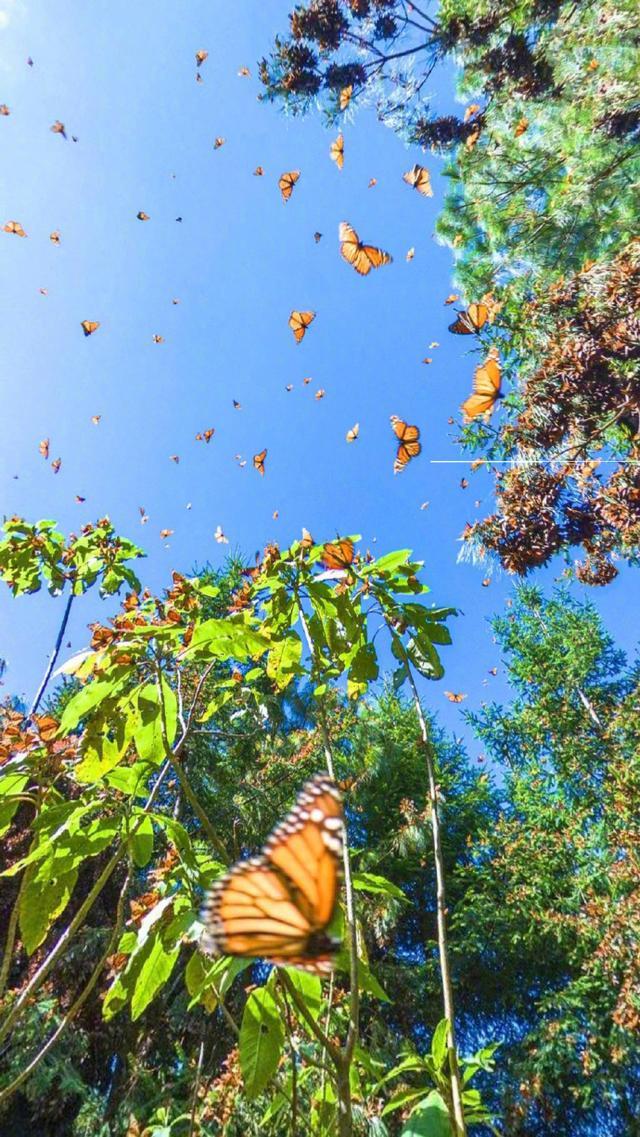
[54, 655]
[443, 950]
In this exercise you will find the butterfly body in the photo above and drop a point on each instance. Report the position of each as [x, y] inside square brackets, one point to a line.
[278, 906]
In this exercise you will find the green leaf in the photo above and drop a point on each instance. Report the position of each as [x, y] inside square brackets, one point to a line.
[439, 1041]
[94, 692]
[430, 1119]
[402, 1099]
[261, 1041]
[41, 902]
[10, 787]
[369, 983]
[308, 987]
[154, 972]
[283, 660]
[142, 842]
[370, 882]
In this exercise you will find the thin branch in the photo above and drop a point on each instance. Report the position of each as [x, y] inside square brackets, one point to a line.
[76, 1006]
[39, 976]
[354, 1010]
[54, 654]
[196, 1085]
[301, 1007]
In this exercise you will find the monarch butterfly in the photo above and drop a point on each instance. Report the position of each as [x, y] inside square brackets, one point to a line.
[43, 447]
[142, 216]
[90, 326]
[95, 419]
[471, 321]
[486, 390]
[158, 339]
[409, 446]
[14, 227]
[244, 72]
[205, 435]
[219, 141]
[55, 237]
[338, 554]
[317, 237]
[419, 179]
[454, 697]
[258, 461]
[220, 536]
[345, 97]
[164, 533]
[372, 182]
[200, 57]
[353, 433]
[410, 253]
[278, 906]
[337, 152]
[361, 257]
[258, 172]
[286, 182]
[56, 464]
[4, 110]
[299, 322]
[58, 128]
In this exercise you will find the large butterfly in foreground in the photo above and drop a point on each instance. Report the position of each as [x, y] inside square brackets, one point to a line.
[361, 257]
[408, 445]
[279, 905]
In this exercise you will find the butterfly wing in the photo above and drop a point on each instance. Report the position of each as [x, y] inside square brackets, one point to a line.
[287, 182]
[419, 178]
[299, 322]
[361, 257]
[279, 905]
[486, 390]
[338, 554]
[337, 151]
[409, 447]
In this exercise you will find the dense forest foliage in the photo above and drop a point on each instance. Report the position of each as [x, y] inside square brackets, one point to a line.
[541, 216]
[176, 744]
[488, 972]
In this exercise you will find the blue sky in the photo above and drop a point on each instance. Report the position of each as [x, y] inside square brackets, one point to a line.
[122, 79]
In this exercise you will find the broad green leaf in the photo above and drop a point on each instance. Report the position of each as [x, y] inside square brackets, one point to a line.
[370, 882]
[402, 1099]
[308, 987]
[439, 1043]
[369, 983]
[261, 1041]
[87, 699]
[283, 660]
[41, 902]
[154, 972]
[430, 1119]
[142, 842]
[10, 787]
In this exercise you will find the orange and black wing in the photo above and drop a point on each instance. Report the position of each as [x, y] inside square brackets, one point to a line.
[337, 151]
[361, 257]
[259, 461]
[486, 389]
[408, 443]
[418, 177]
[470, 322]
[338, 554]
[279, 905]
[286, 183]
[299, 322]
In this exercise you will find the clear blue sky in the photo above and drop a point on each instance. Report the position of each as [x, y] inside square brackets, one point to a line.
[122, 79]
